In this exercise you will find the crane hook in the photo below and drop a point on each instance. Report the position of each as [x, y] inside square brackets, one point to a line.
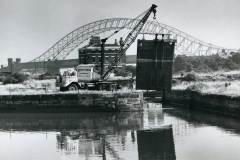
[154, 14]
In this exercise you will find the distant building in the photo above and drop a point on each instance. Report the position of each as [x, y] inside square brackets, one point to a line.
[11, 66]
[92, 54]
[51, 67]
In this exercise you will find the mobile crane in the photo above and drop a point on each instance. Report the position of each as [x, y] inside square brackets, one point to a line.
[87, 76]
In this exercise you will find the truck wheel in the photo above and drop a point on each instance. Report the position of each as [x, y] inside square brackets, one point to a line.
[113, 87]
[72, 87]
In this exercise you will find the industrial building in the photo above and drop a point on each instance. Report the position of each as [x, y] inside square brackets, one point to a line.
[37, 67]
[92, 54]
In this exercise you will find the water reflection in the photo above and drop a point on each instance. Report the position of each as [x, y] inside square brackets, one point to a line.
[156, 144]
[153, 115]
[90, 135]
[97, 122]
[123, 136]
[195, 119]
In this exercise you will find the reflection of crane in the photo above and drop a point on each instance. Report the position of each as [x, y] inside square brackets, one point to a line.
[107, 146]
[87, 76]
[63, 143]
[112, 152]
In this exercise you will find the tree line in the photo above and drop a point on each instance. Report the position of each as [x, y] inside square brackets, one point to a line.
[210, 63]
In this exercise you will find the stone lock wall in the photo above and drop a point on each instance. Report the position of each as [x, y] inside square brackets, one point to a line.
[132, 101]
[221, 104]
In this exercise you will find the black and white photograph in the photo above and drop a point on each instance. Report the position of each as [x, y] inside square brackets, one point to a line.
[119, 80]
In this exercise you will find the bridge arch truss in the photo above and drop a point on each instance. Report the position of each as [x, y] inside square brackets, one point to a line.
[186, 44]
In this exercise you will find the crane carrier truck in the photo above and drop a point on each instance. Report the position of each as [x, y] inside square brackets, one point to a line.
[97, 77]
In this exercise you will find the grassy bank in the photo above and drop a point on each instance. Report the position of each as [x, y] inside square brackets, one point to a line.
[220, 83]
[29, 87]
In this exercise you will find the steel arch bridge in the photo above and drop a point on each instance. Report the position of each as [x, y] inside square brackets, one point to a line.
[186, 44]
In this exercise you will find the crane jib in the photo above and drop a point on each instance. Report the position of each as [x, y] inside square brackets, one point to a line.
[131, 37]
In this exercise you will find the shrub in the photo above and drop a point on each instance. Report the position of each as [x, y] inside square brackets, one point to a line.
[206, 63]
[197, 87]
[125, 71]
[10, 80]
[2, 78]
[121, 72]
[15, 78]
[190, 77]
[46, 75]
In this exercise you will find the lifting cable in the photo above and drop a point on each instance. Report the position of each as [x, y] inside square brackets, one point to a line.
[125, 26]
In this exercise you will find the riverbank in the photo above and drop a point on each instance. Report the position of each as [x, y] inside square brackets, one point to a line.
[215, 103]
[220, 83]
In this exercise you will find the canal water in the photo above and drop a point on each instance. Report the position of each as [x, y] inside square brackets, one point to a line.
[108, 136]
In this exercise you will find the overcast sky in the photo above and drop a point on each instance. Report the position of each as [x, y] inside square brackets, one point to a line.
[29, 27]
